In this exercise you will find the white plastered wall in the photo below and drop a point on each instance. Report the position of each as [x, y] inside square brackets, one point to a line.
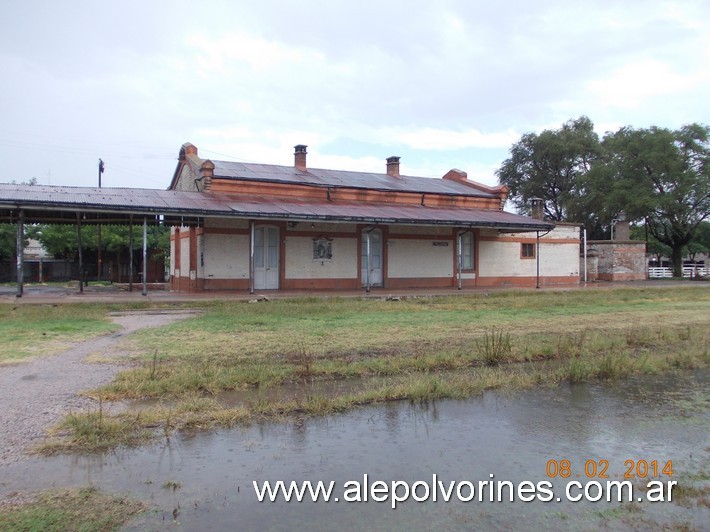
[322, 227]
[415, 258]
[502, 258]
[414, 230]
[300, 263]
[225, 256]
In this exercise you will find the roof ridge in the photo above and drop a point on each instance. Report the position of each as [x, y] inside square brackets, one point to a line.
[325, 177]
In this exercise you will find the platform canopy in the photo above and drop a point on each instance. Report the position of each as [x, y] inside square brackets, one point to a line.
[61, 204]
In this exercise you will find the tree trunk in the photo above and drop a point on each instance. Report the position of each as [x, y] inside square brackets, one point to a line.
[677, 261]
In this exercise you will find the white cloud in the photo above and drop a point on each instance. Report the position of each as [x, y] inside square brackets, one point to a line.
[632, 85]
[447, 84]
[427, 138]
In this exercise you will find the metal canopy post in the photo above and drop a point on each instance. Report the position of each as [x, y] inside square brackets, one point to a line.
[459, 257]
[20, 252]
[130, 253]
[81, 257]
[585, 254]
[251, 257]
[537, 260]
[99, 264]
[145, 255]
[369, 261]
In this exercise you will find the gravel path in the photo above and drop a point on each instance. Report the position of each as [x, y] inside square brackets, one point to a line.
[36, 394]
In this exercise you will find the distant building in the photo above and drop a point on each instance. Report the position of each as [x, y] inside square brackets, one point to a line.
[296, 227]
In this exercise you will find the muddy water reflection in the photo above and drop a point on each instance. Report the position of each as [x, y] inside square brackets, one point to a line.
[511, 436]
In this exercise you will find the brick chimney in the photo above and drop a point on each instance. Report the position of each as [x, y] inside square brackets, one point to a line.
[393, 166]
[207, 171]
[187, 149]
[300, 157]
[622, 227]
[456, 175]
[537, 207]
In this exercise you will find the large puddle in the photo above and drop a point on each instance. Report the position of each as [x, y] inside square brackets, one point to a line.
[510, 436]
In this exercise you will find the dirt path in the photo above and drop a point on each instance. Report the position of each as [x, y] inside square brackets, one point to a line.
[37, 394]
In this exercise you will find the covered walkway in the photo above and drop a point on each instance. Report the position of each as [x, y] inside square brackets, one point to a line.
[80, 206]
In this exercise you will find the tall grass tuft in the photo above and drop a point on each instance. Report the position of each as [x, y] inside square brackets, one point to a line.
[614, 366]
[578, 370]
[495, 347]
[302, 359]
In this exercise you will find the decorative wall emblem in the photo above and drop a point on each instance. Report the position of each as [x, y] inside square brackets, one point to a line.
[322, 248]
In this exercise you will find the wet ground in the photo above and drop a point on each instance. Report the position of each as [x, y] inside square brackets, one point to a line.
[205, 479]
[36, 393]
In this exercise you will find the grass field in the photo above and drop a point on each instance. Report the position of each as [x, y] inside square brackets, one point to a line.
[417, 349]
[233, 345]
[32, 330]
[76, 509]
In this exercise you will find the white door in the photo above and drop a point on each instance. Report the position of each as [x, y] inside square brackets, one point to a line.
[375, 260]
[266, 258]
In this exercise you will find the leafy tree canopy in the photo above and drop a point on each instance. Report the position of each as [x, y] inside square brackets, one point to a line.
[548, 166]
[662, 177]
[655, 175]
[8, 241]
[61, 240]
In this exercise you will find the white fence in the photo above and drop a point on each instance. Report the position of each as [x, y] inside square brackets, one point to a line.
[688, 271]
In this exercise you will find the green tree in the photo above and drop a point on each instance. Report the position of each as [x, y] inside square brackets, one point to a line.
[61, 240]
[548, 166]
[58, 240]
[693, 249]
[662, 177]
[8, 232]
[702, 235]
[8, 241]
[658, 250]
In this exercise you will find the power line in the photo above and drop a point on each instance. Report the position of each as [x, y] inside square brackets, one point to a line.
[232, 157]
[29, 145]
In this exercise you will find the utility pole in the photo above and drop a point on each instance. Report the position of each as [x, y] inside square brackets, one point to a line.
[99, 265]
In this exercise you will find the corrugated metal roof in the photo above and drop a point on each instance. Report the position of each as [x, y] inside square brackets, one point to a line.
[60, 203]
[343, 178]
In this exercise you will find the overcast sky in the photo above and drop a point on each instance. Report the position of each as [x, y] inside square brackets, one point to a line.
[443, 84]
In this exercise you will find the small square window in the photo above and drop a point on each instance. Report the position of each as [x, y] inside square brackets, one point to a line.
[527, 251]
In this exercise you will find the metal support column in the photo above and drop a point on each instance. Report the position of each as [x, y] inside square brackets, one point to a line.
[537, 260]
[130, 253]
[368, 283]
[81, 255]
[145, 255]
[20, 252]
[459, 257]
[585, 254]
[99, 262]
[251, 257]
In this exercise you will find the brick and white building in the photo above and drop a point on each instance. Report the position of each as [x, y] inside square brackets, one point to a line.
[294, 227]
